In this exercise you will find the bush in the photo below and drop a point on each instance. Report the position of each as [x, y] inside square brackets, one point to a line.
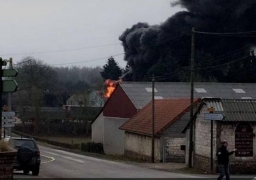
[92, 147]
[4, 147]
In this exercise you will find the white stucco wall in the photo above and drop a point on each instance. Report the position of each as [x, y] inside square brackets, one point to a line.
[97, 129]
[142, 145]
[113, 137]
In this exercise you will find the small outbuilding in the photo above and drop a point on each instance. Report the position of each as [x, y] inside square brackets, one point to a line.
[170, 117]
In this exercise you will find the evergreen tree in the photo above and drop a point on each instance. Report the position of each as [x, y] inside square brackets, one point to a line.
[111, 70]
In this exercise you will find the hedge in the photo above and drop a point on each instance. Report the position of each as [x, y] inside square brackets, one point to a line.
[85, 147]
[92, 147]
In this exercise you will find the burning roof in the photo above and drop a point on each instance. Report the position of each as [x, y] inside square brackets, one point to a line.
[110, 86]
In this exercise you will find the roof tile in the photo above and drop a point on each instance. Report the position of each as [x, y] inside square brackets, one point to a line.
[166, 112]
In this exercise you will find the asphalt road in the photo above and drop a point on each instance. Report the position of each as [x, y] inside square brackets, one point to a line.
[63, 164]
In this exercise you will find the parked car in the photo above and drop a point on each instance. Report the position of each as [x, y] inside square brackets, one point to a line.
[28, 155]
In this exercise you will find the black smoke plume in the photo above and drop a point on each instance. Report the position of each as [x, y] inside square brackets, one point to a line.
[164, 49]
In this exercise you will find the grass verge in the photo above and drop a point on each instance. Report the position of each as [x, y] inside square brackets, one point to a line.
[68, 140]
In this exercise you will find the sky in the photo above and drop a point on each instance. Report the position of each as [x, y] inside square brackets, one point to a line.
[66, 33]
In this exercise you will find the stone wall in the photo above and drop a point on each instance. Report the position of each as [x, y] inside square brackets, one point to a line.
[135, 155]
[173, 138]
[204, 163]
[6, 164]
[173, 150]
[238, 165]
[242, 167]
[203, 136]
[202, 143]
[140, 147]
[228, 133]
[221, 131]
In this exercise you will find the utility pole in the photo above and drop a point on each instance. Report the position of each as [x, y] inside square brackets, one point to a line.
[1, 92]
[7, 85]
[212, 145]
[191, 125]
[153, 119]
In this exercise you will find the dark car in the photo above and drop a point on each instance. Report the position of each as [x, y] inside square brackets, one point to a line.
[28, 155]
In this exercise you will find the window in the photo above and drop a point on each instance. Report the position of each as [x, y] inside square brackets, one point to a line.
[22, 142]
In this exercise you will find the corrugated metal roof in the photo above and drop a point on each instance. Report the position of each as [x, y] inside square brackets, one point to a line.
[235, 109]
[216, 105]
[136, 91]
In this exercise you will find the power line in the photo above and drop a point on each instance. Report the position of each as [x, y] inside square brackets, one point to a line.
[22, 62]
[166, 40]
[219, 65]
[90, 47]
[233, 33]
[225, 56]
[62, 50]
[87, 60]
[116, 54]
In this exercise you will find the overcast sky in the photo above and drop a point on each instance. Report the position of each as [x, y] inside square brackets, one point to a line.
[63, 32]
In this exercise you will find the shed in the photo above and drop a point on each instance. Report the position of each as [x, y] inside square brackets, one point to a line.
[170, 117]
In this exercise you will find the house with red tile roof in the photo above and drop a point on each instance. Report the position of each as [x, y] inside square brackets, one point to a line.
[170, 118]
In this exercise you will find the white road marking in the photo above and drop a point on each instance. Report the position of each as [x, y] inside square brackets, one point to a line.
[68, 153]
[70, 158]
[51, 159]
[63, 156]
[47, 152]
[83, 156]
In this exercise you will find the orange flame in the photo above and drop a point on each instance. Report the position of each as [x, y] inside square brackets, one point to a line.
[110, 87]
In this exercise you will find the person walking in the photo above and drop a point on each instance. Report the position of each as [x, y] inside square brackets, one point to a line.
[223, 160]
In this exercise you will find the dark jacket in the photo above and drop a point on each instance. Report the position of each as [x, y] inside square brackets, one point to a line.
[223, 155]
